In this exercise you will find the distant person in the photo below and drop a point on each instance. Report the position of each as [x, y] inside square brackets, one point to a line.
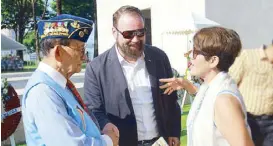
[87, 56]
[253, 72]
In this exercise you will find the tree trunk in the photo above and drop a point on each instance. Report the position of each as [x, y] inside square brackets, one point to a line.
[35, 31]
[43, 15]
[21, 22]
[96, 49]
[16, 33]
[21, 32]
[59, 7]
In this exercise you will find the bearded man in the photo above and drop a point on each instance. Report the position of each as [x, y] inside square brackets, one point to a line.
[122, 86]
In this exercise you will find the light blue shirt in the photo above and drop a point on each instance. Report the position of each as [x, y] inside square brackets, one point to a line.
[47, 110]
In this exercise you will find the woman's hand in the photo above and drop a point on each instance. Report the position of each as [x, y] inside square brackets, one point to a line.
[171, 84]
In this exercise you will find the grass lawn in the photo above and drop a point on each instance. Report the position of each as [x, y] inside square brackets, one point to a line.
[183, 137]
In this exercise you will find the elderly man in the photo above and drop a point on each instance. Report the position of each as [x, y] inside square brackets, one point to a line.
[53, 111]
[122, 86]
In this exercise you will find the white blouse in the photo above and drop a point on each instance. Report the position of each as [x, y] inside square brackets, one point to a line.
[201, 129]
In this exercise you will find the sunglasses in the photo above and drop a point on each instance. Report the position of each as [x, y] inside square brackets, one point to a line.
[129, 34]
[196, 52]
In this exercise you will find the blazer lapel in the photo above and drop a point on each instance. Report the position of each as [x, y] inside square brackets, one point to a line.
[116, 70]
[120, 84]
[151, 68]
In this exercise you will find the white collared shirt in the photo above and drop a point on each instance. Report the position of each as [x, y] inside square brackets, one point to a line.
[139, 86]
[57, 76]
[47, 110]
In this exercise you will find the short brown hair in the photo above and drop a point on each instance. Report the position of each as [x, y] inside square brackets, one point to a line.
[123, 10]
[218, 41]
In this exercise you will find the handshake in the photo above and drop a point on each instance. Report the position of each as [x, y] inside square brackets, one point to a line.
[112, 131]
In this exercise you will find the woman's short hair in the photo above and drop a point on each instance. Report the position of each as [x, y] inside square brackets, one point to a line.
[221, 42]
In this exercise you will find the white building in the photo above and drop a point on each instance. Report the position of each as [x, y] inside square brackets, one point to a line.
[169, 19]
[9, 46]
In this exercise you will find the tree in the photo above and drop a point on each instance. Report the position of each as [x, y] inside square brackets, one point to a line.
[82, 8]
[17, 15]
[96, 48]
[85, 9]
[34, 3]
[59, 7]
[34, 6]
[29, 42]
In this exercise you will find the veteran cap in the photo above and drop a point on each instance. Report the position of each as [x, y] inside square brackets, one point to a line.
[65, 26]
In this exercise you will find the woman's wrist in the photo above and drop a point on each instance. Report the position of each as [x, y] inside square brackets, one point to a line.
[190, 87]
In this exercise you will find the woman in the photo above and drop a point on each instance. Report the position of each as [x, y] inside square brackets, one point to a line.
[218, 115]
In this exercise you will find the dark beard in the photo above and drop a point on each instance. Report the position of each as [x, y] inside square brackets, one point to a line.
[127, 51]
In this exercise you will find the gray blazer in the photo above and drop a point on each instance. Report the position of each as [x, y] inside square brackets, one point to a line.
[107, 96]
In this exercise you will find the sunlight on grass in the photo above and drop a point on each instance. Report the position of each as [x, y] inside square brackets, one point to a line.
[183, 137]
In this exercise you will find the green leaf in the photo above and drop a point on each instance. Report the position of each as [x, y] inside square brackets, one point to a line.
[81, 8]
[17, 14]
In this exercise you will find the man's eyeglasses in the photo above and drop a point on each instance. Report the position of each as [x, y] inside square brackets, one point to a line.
[196, 52]
[129, 34]
[81, 50]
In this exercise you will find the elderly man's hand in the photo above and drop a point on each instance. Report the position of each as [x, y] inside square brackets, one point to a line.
[173, 141]
[113, 137]
[111, 127]
[112, 131]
